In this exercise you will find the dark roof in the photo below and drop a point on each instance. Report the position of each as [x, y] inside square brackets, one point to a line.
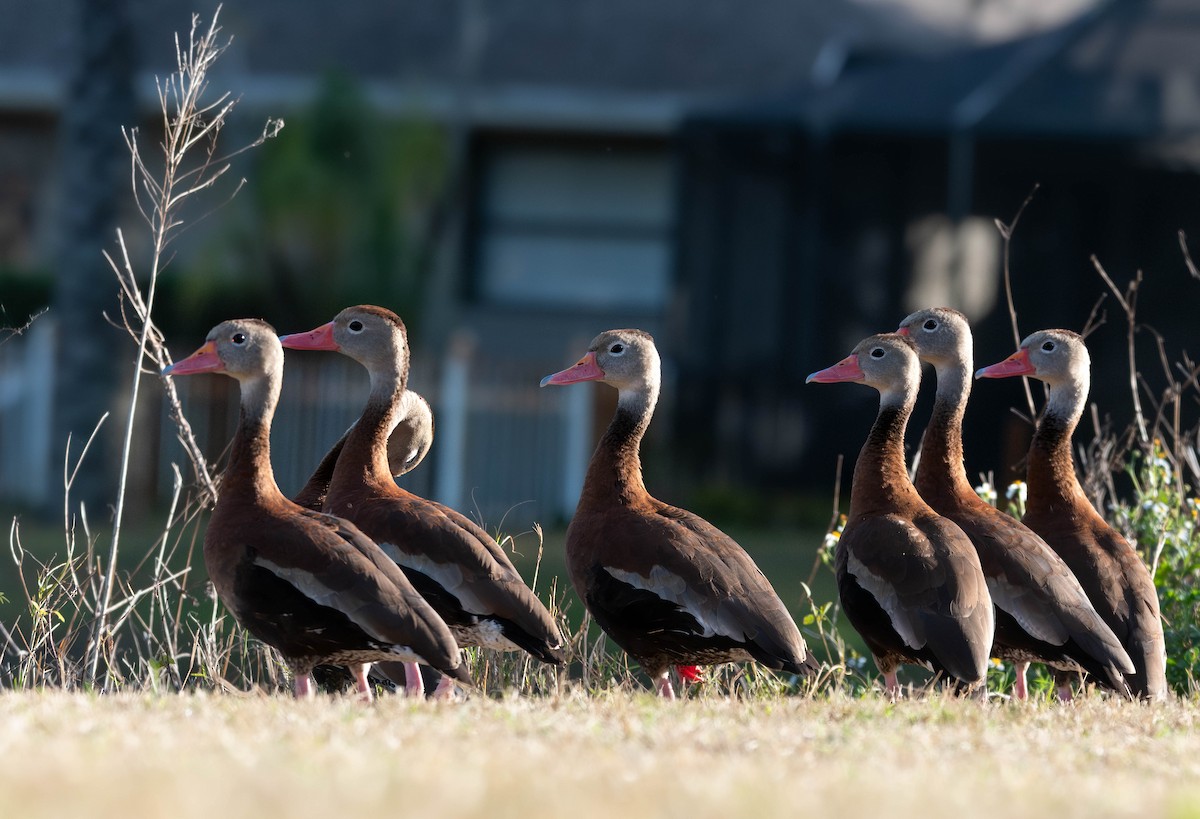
[1129, 69]
[721, 46]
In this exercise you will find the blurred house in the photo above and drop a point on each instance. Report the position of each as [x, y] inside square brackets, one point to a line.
[812, 219]
[754, 183]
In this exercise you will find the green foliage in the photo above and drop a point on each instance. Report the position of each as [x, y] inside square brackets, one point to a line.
[1160, 519]
[339, 212]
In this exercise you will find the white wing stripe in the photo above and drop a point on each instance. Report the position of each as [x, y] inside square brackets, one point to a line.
[885, 594]
[311, 586]
[674, 589]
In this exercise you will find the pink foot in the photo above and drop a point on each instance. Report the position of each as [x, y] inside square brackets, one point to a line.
[1020, 687]
[663, 686]
[444, 690]
[361, 684]
[891, 685]
[1064, 692]
[306, 687]
[414, 686]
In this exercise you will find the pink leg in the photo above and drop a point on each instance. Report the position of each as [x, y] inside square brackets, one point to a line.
[891, 685]
[663, 686]
[362, 685]
[1020, 687]
[306, 687]
[1062, 684]
[444, 690]
[414, 686]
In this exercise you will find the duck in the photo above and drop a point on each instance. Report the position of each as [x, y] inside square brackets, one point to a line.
[311, 585]
[664, 584]
[407, 446]
[908, 578]
[463, 573]
[1111, 572]
[1042, 612]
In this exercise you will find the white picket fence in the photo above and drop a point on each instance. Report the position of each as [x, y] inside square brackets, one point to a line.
[504, 450]
[26, 393]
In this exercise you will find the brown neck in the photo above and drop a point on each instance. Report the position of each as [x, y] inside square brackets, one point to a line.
[615, 472]
[363, 461]
[941, 470]
[881, 482]
[313, 495]
[249, 478]
[1051, 477]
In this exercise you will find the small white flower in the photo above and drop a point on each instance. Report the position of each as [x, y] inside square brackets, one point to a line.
[986, 491]
[1017, 489]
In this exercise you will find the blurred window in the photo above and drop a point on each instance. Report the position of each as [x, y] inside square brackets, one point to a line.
[575, 226]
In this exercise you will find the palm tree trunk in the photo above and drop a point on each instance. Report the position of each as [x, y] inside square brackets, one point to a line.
[100, 100]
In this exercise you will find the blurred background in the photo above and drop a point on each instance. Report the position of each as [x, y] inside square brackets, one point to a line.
[758, 184]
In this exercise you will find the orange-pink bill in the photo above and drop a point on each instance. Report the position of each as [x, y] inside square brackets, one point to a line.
[1016, 364]
[204, 360]
[845, 370]
[586, 369]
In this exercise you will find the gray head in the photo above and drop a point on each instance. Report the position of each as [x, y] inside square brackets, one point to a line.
[412, 437]
[888, 362]
[626, 359]
[941, 336]
[373, 336]
[1057, 357]
[246, 349]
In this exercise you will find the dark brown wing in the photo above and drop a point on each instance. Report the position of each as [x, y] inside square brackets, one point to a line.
[313, 585]
[698, 595]
[1043, 611]
[458, 571]
[1118, 584]
[915, 588]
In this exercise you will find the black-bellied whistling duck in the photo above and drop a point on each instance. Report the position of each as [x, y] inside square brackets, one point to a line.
[1111, 572]
[908, 578]
[1042, 613]
[463, 573]
[666, 585]
[311, 585]
[407, 446]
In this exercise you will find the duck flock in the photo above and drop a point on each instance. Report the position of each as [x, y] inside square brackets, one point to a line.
[356, 571]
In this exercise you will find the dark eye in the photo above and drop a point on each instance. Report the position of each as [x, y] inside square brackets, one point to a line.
[877, 352]
[617, 349]
[238, 338]
[930, 324]
[1048, 346]
[355, 326]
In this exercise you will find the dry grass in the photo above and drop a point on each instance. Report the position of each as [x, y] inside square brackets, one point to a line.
[211, 755]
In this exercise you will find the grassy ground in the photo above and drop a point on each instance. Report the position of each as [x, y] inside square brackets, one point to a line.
[229, 756]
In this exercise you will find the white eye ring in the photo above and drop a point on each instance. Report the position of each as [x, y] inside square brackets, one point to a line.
[878, 352]
[926, 326]
[617, 349]
[355, 326]
[238, 338]
[1048, 346]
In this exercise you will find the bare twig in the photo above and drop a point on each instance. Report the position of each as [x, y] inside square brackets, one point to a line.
[9, 333]
[1006, 233]
[1187, 256]
[1128, 303]
[188, 122]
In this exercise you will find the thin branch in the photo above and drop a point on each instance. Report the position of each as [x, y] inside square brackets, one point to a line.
[1187, 257]
[1006, 233]
[187, 122]
[1128, 303]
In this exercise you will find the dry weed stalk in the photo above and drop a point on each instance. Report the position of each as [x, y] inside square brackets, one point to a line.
[191, 125]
